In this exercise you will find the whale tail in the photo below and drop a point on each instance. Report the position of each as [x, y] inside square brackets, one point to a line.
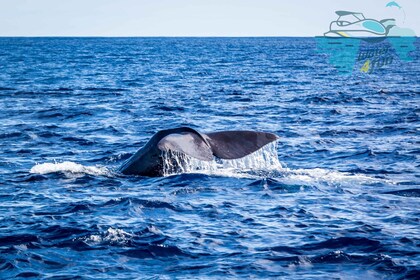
[222, 144]
[237, 144]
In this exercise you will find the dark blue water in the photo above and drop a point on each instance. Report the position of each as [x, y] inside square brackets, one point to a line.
[344, 204]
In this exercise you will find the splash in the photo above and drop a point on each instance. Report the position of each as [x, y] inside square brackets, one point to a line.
[69, 167]
[263, 159]
[263, 163]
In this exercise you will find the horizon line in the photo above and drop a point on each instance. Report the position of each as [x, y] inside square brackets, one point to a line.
[188, 36]
[147, 36]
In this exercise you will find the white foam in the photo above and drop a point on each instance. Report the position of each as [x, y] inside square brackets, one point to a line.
[116, 235]
[319, 175]
[111, 235]
[69, 167]
[263, 163]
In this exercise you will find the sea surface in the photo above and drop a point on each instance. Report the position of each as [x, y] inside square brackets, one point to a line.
[339, 197]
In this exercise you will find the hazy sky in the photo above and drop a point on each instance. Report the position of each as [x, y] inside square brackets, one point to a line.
[190, 17]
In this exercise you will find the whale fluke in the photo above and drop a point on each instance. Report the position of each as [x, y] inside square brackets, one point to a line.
[188, 143]
[237, 144]
[148, 161]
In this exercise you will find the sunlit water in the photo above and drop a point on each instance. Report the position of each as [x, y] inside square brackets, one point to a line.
[336, 197]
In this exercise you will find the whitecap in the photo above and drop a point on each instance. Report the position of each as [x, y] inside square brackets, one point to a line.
[320, 175]
[69, 167]
[111, 235]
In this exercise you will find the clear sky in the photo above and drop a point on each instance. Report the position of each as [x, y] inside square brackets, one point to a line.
[190, 17]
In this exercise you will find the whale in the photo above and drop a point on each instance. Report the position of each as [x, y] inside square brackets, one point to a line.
[149, 160]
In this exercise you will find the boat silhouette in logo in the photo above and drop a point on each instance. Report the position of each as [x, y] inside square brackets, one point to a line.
[369, 45]
[355, 25]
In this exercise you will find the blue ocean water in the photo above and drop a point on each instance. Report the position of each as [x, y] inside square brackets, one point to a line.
[344, 204]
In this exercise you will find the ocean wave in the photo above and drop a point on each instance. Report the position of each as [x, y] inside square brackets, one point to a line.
[153, 251]
[405, 192]
[349, 244]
